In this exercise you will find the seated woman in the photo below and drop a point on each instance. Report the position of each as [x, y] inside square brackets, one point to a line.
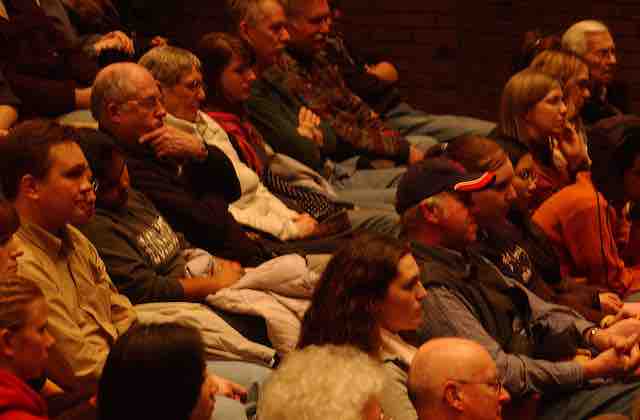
[324, 382]
[508, 238]
[533, 119]
[583, 220]
[257, 207]
[24, 342]
[158, 371]
[369, 292]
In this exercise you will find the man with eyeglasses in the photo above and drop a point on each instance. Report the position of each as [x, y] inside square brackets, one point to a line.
[531, 341]
[47, 178]
[171, 167]
[454, 378]
[592, 40]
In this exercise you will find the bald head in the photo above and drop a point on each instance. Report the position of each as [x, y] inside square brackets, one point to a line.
[116, 83]
[446, 358]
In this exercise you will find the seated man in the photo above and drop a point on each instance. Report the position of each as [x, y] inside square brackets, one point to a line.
[453, 378]
[47, 178]
[529, 339]
[324, 382]
[591, 40]
[172, 168]
[375, 81]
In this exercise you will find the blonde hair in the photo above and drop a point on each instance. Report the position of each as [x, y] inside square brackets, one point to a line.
[521, 93]
[16, 294]
[561, 65]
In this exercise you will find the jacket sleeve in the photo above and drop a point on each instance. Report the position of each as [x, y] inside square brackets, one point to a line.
[448, 314]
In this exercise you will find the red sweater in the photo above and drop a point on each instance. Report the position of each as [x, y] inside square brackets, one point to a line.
[18, 401]
[582, 227]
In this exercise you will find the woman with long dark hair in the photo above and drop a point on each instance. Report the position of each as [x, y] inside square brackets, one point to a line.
[369, 292]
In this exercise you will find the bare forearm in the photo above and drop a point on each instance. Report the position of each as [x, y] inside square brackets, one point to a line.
[198, 288]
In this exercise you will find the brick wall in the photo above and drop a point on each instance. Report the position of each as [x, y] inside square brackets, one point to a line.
[455, 56]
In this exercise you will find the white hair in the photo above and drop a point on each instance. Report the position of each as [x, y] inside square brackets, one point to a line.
[321, 382]
[575, 38]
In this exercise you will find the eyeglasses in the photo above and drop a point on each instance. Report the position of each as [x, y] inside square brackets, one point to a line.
[150, 102]
[95, 185]
[527, 175]
[496, 384]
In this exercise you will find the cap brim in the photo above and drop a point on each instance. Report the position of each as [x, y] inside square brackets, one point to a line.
[474, 182]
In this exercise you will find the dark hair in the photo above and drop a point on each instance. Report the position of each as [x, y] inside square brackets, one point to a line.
[9, 221]
[613, 152]
[357, 277]
[215, 51]
[98, 149]
[26, 151]
[475, 153]
[153, 371]
[533, 43]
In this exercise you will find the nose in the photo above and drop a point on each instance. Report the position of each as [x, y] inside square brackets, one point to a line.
[200, 94]
[504, 396]
[586, 93]
[160, 112]
[532, 185]
[421, 293]
[563, 108]
[284, 35]
[251, 76]
[325, 27]
[511, 193]
[611, 58]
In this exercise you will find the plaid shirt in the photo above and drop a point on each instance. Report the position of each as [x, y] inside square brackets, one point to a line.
[321, 88]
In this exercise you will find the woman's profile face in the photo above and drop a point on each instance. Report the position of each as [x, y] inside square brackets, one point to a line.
[9, 253]
[401, 309]
[548, 116]
[31, 342]
[524, 182]
[577, 92]
[236, 80]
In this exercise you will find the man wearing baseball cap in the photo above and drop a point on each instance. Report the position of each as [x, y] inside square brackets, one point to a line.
[531, 341]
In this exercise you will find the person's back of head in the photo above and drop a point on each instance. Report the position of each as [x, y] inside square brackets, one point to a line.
[322, 382]
[455, 378]
[153, 371]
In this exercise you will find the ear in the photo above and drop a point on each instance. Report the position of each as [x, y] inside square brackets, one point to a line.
[6, 343]
[452, 396]
[429, 213]
[29, 186]
[113, 112]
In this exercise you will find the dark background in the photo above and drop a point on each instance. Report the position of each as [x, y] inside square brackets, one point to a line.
[455, 56]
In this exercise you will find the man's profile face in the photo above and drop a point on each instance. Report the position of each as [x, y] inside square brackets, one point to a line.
[601, 56]
[485, 395]
[310, 27]
[492, 204]
[65, 193]
[268, 36]
[144, 111]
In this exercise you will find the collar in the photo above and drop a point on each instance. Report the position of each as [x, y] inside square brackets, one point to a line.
[446, 255]
[50, 244]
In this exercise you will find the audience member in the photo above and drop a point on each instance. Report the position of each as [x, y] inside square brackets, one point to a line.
[369, 292]
[24, 344]
[583, 220]
[529, 339]
[592, 40]
[319, 87]
[324, 382]
[46, 177]
[9, 104]
[176, 70]
[157, 371]
[144, 257]
[171, 167]
[517, 247]
[454, 378]
[533, 118]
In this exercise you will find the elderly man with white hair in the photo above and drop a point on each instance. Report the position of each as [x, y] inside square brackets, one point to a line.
[592, 40]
